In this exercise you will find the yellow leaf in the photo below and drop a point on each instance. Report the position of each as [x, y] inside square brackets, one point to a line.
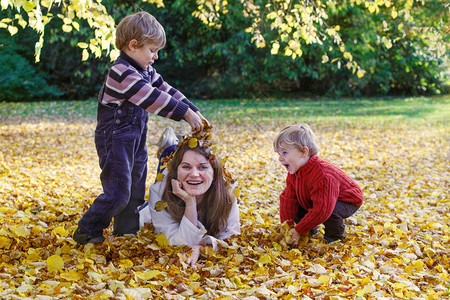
[76, 26]
[148, 274]
[5, 242]
[55, 263]
[365, 281]
[348, 56]
[66, 28]
[115, 284]
[21, 231]
[265, 259]
[160, 205]
[394, 14]
[323, 279]
[12, 29]
[125, 263]
[159, 177]
[72, 275]
[360, 73]
[194, 276]
[85, 55]
[162, 240]
[61, 231]
[418, 265]
[237, 281]
[82, 45]
[398, 285]
[192, 143]
[35, 230]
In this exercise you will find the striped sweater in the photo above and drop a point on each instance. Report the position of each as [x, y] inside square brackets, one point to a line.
[316, 187]
[128, 81]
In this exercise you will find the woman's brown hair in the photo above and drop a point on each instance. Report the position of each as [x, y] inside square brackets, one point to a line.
[214, 209]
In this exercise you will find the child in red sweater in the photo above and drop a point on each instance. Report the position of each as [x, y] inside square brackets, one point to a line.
[316, 191]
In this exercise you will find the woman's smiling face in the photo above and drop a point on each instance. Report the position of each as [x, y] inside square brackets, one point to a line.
[195, 173]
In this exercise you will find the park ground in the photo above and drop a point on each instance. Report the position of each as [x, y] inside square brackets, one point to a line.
[397, 244]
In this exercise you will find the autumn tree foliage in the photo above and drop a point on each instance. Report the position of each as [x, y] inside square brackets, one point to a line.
[352, 47]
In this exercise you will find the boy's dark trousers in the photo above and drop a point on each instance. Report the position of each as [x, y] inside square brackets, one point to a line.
[334, 225]
[120, 139]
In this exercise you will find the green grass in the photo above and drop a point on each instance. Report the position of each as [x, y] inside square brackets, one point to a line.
[422, 110]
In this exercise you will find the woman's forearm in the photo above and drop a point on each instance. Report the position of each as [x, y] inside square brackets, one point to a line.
[190, 212]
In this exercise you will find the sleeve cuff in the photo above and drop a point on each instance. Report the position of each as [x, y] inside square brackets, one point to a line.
[191, 105]
[180, 111]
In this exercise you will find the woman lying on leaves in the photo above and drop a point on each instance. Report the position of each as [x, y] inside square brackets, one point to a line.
[192, 201]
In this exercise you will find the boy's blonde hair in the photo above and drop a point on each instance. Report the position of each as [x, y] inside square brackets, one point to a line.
[142, 27]
[298, 135]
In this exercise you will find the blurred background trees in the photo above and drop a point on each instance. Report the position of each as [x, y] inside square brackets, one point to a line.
[227, 49]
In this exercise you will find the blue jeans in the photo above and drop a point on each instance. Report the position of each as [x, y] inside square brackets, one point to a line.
[334, 225]
[120, 139]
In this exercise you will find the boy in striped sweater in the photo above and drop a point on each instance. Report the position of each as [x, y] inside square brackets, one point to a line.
[131, 90]
[317, 192]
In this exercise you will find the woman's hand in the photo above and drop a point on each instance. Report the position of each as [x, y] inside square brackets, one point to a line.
[177, 189]
[190, 211]
[192, 260]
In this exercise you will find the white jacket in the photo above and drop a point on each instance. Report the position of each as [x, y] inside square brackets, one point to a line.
[183, 233]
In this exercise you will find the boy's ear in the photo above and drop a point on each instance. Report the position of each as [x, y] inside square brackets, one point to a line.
[133, 45]
[305, 151]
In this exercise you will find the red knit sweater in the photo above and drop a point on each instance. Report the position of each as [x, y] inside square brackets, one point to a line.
[316, 186]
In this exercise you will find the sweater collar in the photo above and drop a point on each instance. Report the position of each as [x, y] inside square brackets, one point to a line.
[308, 166]
[131, 61]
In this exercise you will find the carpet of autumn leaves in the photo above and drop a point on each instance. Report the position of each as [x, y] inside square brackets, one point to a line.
[397, 245]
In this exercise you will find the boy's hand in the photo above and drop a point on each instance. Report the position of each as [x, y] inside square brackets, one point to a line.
[297, 238]
[193, 120]
[202, 117]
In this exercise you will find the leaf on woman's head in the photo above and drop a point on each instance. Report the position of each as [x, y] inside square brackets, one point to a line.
[193, 142]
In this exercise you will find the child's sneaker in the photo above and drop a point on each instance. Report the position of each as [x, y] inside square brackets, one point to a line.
[83, 238]
[167, 139]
